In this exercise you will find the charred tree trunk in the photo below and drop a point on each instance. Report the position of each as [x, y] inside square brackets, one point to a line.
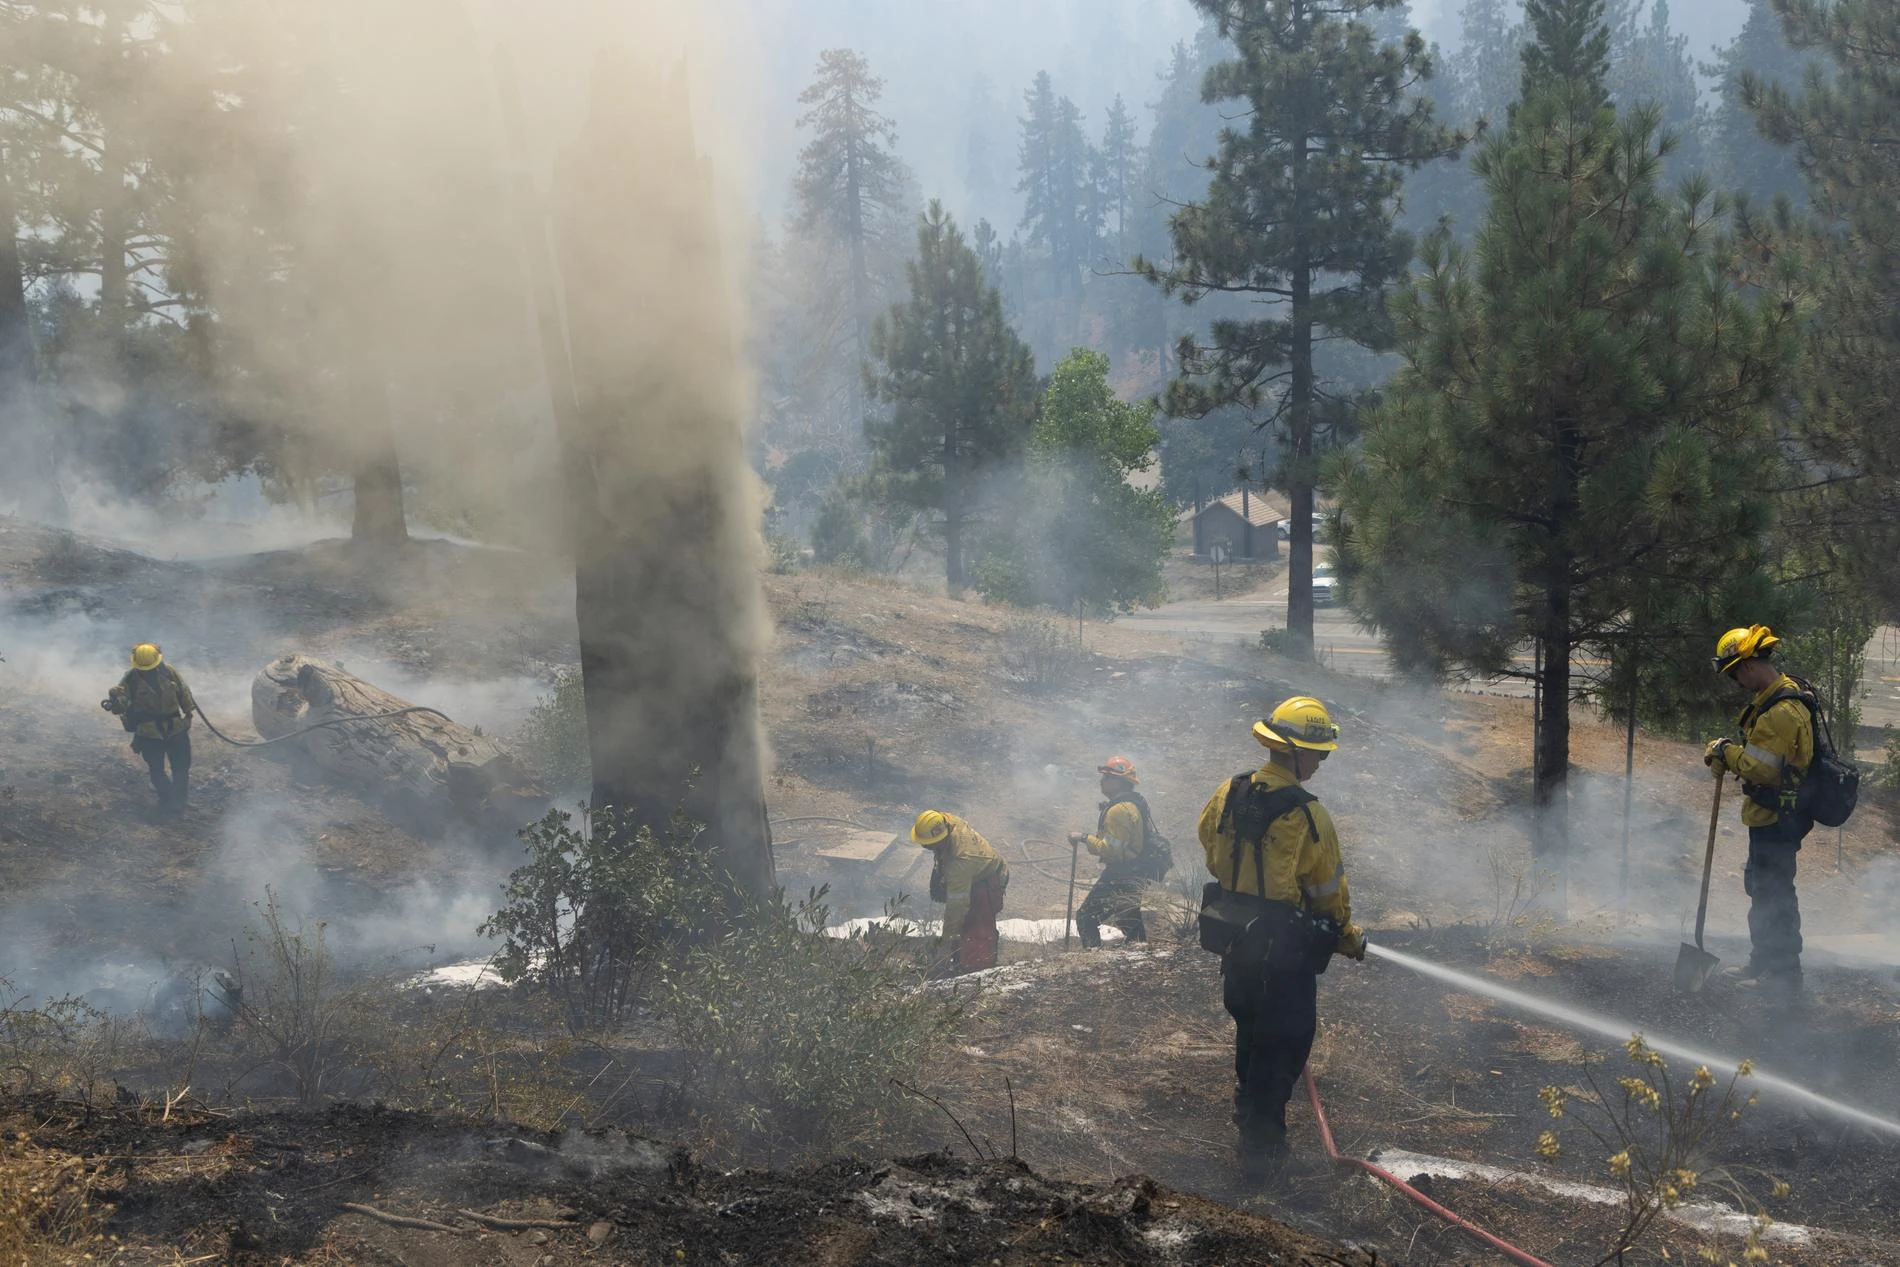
[671, 615]
[26, 445]
[424, 764]
[378, 518]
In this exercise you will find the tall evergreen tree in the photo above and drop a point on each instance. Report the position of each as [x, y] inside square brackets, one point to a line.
[1650, 63]
[849, 184]
[1118, 169]
[1299, 216]
[1062, 212]
[1742, 158]
[1842, 126]
[1581, 433]
[958, 383]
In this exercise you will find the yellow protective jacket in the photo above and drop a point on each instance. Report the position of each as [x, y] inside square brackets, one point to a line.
[963, 859]
[1120, 837]
[1302, 869]
[1776, 749]
[156, 701]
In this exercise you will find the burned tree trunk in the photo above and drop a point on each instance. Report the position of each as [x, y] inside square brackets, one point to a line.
[422, 763]
[379, 518]
[26, 448]
[671, 615]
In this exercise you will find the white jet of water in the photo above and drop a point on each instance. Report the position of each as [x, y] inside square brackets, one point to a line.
[1619, 1031]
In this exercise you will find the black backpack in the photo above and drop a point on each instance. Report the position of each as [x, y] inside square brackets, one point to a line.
[1249, 930]
[1157, 851]
[1831, 788]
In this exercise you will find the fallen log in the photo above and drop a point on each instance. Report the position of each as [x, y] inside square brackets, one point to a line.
[422, 762]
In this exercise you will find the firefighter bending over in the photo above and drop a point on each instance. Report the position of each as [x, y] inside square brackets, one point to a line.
[1282, 889]
[969, 879]
[153, 702]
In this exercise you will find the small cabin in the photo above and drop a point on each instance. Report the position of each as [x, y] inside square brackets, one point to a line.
[1245, 523]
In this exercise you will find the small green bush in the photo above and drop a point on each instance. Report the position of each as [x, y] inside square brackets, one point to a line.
[795, 1037]
[1043, 654]
[1284, 642]
[596, 909]
[553, 741]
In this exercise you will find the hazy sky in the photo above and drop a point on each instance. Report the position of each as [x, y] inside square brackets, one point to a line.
[932, 52]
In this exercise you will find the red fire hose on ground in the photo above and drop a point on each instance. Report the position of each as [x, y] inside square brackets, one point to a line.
[1510, 1251]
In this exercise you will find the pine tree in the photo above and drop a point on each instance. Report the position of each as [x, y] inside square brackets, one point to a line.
[1744, 159]
[849, 184]
[1842, 127]
[958, 383]
[1299, 215]
[1062, 212]
[1650, 63]
[1080, 533]
[1581, 434]
[1118, 168]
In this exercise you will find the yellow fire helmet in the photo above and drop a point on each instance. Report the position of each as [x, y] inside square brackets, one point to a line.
[930, 828]
[147, 656]
[1737, 645]
[1301, 722]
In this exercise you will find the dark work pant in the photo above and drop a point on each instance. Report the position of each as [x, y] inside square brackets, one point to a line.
[176, 749]
[1276, 1015]
[1774, 910]
[1114, 900]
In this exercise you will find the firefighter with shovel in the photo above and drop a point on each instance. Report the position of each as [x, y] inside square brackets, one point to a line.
[1772, 761]
[1125, 841]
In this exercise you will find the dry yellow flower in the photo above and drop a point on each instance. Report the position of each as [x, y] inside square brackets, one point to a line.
[1620, 1163]
[1547, 1145]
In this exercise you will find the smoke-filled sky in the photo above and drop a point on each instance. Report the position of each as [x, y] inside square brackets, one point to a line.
[932, 56]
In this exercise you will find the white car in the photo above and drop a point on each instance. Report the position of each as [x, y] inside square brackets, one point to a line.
[1319, 524]
[1323, 582]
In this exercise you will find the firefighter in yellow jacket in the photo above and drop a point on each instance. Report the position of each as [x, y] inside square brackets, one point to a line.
[1121, 842]
[154, 703]
[1266, 837]
[969, 878]
[1771, 760]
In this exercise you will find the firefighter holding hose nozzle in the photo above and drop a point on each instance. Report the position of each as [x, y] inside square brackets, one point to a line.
[1277, 912]
[154, 704]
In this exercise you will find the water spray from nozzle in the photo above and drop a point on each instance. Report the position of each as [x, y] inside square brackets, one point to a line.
[1619, 1030]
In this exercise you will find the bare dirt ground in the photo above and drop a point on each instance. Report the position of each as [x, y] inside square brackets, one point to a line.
[881, 700]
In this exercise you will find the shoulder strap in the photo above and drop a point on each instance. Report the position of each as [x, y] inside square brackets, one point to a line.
[1271, 807]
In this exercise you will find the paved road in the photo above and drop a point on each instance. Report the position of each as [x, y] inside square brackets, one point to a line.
[1343, 646]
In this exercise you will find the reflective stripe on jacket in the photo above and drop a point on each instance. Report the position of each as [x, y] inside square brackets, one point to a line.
[1776, 749]
[1120, 837]
[964, 859]
[1303, 864]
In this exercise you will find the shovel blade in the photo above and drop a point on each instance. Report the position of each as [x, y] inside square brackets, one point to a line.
[1693, 966]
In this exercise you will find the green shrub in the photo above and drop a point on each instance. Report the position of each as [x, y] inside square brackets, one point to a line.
[1284, 642]
[553, 741]
[795, 1038]
[596, 909]
[1043, 654]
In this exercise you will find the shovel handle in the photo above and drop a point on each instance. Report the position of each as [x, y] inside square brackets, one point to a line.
[1068, 921]
[1708, 857]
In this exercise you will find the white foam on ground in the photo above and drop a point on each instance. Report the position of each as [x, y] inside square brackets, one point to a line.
[1703, 1216]
[1038, 932]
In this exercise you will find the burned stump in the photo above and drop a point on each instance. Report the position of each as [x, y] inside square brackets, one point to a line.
[421, 763]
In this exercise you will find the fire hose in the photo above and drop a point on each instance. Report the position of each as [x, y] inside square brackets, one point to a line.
[297, 734]
[1505, 1248]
